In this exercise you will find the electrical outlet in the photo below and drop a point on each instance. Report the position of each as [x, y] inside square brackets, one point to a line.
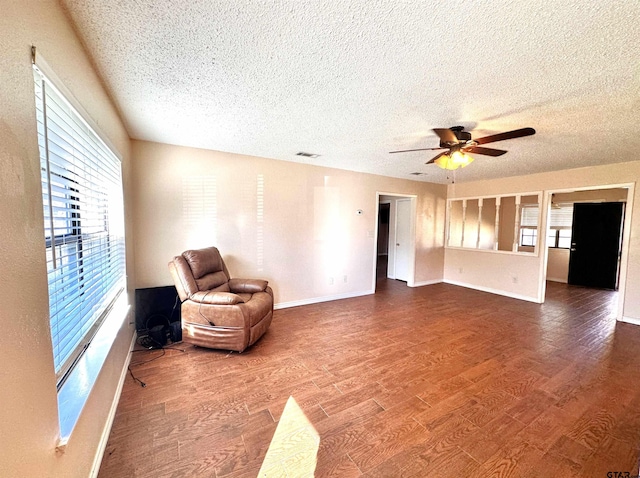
[330, 280]
[345, 278]
[460, 270]
[514, 279]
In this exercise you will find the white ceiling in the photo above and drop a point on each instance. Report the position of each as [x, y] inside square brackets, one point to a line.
[353, 80]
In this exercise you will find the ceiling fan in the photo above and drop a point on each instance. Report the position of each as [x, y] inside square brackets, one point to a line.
[458, 142]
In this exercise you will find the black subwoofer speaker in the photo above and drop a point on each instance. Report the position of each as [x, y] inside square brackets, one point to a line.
[158, 335]
[175, 332]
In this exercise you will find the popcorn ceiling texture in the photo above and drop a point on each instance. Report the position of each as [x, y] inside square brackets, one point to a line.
[353, 80]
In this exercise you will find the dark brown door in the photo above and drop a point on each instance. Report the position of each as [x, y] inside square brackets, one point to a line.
[595, 244]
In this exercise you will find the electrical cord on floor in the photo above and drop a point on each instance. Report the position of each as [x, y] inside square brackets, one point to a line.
[163, 348]
[136, 379]
[148, 343]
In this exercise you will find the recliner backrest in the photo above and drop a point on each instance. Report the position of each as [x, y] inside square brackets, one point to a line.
[208, 269]
[199, 270]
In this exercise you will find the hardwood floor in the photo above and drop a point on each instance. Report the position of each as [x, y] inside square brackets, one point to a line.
[435, 381]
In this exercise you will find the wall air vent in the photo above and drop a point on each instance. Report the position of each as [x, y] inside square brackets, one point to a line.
[307, 155]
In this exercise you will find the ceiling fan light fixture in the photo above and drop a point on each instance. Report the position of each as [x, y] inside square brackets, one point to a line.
[455, 160]
[456, 140]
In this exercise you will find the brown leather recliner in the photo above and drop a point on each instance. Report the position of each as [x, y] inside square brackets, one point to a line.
[217, 311]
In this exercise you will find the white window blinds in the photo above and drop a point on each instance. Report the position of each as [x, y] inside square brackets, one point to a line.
[561, 216]
[83, 224]
[529, 216]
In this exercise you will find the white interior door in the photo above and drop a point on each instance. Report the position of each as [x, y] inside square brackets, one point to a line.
[403, 239]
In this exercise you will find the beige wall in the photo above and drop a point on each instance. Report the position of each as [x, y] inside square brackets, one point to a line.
[596, 195]
[558, 265]
[292, 224]
[528, 272]
[29, 412]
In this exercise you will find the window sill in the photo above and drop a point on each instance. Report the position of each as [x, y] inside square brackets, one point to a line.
[495, 251]
[74, 393]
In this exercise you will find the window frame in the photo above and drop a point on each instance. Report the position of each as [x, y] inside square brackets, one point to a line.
[558, 222]
[533, 233]
[77, 231]
[556, 239]
[525, 227]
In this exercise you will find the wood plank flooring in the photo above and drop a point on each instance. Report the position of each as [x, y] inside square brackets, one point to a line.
[435, 381]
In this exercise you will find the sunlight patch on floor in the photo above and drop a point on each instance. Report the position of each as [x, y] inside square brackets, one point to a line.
[294, 447]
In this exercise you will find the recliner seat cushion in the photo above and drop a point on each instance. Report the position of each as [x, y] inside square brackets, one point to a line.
[217, 298]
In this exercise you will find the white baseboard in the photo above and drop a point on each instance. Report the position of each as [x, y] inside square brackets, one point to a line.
[317, 300]
[493, 291]
[631, 320]
[557, 279]
[106, 431]
[427, 282]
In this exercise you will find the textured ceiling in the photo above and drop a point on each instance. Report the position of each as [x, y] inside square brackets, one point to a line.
[353, 80]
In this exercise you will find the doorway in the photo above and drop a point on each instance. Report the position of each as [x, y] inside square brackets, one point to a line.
[395, 238]
[382, 257]
[614, 227]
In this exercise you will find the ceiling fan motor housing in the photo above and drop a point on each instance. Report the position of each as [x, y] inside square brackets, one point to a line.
[461, 135]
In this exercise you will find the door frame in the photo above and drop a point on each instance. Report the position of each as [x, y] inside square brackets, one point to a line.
[412, 234]
[624, 254]
[395, 235]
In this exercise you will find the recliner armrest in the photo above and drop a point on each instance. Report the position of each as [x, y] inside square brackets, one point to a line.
[216, 298]
[247, 286]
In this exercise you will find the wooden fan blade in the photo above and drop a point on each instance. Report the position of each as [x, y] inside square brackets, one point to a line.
[436, 157]
[409, 150]
[485, 151]
[518, 133]
[446, 135]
